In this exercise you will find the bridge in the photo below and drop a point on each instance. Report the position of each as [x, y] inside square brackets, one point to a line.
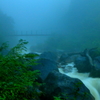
[31, 33]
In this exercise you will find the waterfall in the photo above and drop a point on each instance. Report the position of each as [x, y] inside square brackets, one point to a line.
[93, 84]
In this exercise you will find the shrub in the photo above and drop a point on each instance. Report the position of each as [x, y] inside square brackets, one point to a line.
[16, 80]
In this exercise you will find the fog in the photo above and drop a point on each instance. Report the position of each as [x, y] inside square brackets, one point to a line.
[38, 16]
[35, 14]
[74, 24]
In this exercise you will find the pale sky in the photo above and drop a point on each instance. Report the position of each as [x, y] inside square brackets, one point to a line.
[36, 14]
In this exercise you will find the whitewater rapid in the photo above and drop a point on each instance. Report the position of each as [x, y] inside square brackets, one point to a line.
[93, 84]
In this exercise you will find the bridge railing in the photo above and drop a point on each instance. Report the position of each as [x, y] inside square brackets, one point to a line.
[31, 33]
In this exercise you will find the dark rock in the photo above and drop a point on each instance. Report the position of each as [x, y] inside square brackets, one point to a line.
[94, 52]
[97, 58]
[72, 58]
[45, 66]
[82, 64]
[68, 58]
[96, 71]
[57, 84]
[49, 55]
[63, 58]
[95, 74]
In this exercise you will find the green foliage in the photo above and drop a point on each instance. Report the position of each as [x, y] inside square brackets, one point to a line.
[57, 98]
[16, 80]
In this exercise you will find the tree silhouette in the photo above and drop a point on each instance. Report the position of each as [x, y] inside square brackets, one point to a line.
[6, 26]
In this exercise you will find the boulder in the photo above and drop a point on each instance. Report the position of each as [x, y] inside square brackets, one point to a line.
[82, 64]
[49, 55]
[97, 63]
[68, 58]
[63, 58]
[96, 71]
[46, 63]
[94, 52]
[65, 87]
[45, 66]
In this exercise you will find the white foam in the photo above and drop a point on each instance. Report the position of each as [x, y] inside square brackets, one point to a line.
[93, 84]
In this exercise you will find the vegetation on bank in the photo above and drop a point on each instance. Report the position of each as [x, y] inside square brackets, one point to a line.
[17, 81]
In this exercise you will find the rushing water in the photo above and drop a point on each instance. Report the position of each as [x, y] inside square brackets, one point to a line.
[93, 84]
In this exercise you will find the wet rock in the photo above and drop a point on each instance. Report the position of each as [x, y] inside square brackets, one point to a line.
[46, 64]
[68, 58]
[67, 88]
[63, 58]
[67, 68]
[96, 71]
[94, 52]
[49, 55]
[82, 64]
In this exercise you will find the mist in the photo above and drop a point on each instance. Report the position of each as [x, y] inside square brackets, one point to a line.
[82, 24]
[74, 24]
[46, 17]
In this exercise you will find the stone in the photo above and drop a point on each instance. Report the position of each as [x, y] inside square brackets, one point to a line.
[65, 87]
